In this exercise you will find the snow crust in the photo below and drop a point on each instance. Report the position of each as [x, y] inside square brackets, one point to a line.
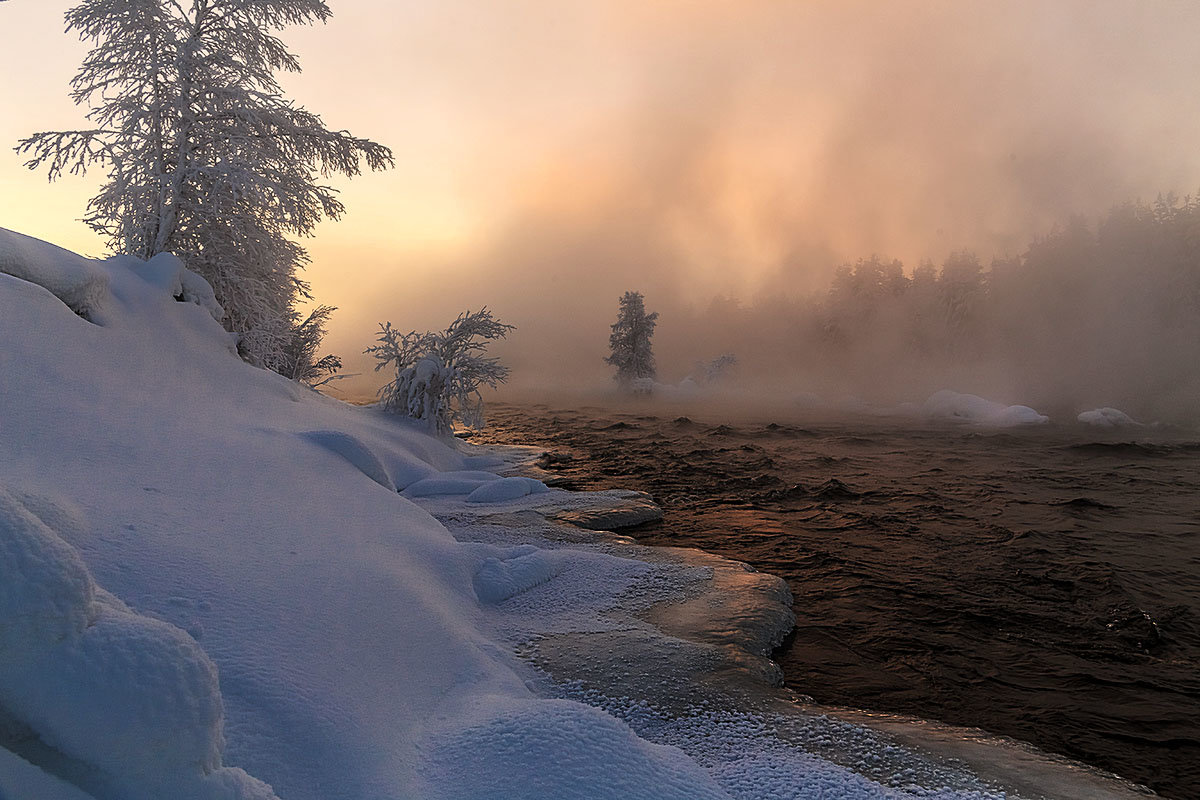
[207, 574]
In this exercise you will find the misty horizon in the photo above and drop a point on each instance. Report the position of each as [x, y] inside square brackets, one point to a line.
[694, 152]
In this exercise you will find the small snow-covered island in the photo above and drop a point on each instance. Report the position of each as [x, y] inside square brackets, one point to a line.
[219, 580]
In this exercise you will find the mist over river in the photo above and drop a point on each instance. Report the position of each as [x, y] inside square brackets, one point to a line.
[1039, 583]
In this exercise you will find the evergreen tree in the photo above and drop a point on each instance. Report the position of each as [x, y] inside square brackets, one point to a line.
[205, 158]
[630, 344]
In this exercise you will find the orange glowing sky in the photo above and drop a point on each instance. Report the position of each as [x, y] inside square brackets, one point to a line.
[553, 153]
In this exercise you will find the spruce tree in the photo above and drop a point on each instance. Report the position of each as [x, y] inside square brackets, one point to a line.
[630, 344]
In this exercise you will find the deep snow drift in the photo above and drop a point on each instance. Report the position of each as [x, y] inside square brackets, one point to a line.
[217, 584]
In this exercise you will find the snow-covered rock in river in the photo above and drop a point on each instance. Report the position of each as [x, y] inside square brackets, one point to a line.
[627, 514]
[948, 405]
[1108, 418]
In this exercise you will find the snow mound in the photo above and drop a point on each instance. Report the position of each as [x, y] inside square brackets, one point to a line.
[77, 281]
[58, 513]
[505, 489]
[948, 405]
[354, 451]
[46, 593]
[499, 579]
[1108, 418]
[450, 483]
[133, 696]
[167, 272]
[558, 750]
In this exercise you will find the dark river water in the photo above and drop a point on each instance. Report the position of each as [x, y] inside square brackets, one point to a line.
[1041, 584]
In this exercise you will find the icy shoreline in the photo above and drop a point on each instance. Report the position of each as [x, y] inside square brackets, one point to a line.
[718, 708]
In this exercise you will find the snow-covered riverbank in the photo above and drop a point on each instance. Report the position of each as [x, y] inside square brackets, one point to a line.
[217, 584]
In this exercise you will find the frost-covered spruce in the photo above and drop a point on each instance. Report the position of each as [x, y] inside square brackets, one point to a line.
[205, 158]
[630, 344]
[438, 374]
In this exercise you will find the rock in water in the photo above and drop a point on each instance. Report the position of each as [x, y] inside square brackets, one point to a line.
[626, 515]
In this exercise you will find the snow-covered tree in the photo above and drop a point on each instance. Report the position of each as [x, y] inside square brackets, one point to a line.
[630, 344]
[438, 374]
[205, 158]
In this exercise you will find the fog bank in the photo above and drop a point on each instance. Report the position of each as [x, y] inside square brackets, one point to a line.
[725, 160]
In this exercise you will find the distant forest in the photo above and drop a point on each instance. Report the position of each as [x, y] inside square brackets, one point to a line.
[1104, 313]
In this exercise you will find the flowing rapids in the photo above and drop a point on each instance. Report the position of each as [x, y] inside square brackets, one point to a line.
[1042, 584]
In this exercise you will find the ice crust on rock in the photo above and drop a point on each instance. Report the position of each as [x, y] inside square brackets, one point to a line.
[624, 515]
[505, 489]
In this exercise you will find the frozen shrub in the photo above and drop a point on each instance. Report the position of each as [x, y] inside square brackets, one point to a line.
[298, 358]
[438, 374]
[716, 370]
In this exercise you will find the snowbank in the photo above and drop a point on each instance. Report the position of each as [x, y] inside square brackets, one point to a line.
[283, 600]
[133, 696]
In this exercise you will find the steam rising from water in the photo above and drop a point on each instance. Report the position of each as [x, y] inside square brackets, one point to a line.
[695, 151]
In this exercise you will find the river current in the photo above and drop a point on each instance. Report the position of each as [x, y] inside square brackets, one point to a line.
[1041, 583]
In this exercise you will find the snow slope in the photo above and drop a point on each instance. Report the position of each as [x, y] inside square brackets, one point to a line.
[256, 516]
[217, 584]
